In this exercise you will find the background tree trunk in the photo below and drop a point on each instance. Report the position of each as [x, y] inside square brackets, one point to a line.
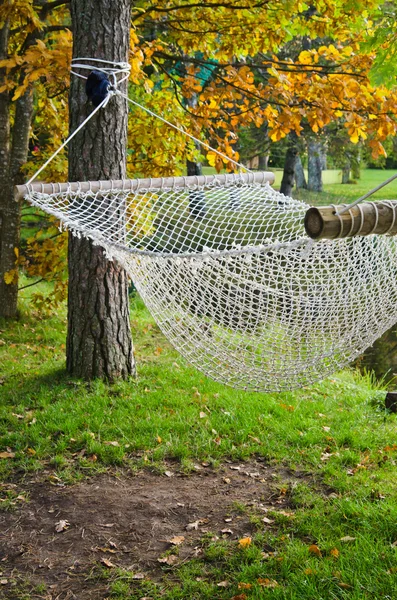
[315, 160]
[300, 178]
[263, 160]
[346, 171]
[291, 156]
[99, 340]
[7, 254]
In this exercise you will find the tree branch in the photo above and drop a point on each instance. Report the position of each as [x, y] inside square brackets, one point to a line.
[30, 284]
[155, 8]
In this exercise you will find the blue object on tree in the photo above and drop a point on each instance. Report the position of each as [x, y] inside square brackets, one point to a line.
[97, 87]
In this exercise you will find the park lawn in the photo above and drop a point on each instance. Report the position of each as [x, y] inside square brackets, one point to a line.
[338, 538]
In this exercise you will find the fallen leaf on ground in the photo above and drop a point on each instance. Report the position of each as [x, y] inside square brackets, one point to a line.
[138, 576]
[108, 563]
[177, 540]
[269, 583]
[191, 526]
[347, 538]
[239, 597]
[245, 542]
[61, 525]
[223, 584]
[227, 531]
[314, 549]
[7, 454]
[268, 521]
[244, 586]
[344, 586]
[203, 415]
[334, 552]
[168, 473]
[168, 560]
[115, 444]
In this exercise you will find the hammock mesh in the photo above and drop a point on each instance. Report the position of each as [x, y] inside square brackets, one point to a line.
[232, 280]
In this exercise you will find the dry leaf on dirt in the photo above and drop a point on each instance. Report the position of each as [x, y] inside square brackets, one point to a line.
[61, 525]
[108, 563]
[177, 540]
[245, 542]
[168, 473]
[138, 576]
[168, 560]
[192, 526]
[268, 521]
[314, 549]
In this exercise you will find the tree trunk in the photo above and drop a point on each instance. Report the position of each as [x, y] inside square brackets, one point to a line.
[197, 207]
[346, 171]
[300, 178]
[291, 156]
[99, 340]
[263, 160]
[315, 182]
[8, 257]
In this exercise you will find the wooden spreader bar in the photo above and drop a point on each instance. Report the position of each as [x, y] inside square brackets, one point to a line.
[323, 222]
[138, 184]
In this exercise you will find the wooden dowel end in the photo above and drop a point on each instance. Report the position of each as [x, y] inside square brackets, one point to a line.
[323, 222]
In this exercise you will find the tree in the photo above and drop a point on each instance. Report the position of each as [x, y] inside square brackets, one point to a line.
[99, 340]
[24, 60]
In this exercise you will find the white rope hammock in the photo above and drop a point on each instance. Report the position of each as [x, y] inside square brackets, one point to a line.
[237, 286]
[225, 267]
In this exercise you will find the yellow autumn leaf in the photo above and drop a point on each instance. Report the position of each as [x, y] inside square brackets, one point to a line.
[11, 277]
[245, 542]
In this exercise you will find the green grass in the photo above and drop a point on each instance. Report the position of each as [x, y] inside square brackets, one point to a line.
[335, 432]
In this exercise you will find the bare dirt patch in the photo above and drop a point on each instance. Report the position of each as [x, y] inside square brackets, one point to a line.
[127, 521]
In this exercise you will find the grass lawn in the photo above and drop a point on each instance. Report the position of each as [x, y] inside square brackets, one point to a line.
[338, 538]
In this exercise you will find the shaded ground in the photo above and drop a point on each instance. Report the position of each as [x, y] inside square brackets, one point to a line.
[126, 521]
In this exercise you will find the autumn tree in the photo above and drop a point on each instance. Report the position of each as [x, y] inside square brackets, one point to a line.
[24, 63]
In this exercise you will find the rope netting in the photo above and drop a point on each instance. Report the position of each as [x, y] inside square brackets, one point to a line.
[230, 276]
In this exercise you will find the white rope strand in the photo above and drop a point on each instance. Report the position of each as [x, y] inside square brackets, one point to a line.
[75, 132]
[189, 135]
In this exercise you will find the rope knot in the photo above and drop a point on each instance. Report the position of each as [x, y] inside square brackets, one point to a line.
[103, 81]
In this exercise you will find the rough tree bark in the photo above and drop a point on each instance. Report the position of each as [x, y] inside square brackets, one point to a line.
[7, 255]
[99, 340]
[291, 157]
[300, 178]
[315, 160]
